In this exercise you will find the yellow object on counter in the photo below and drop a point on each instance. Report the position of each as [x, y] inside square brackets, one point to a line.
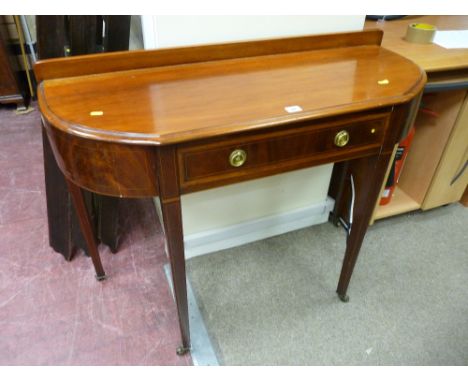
[420, 33]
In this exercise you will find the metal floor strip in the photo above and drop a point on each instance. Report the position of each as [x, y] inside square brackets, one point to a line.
[202, 351]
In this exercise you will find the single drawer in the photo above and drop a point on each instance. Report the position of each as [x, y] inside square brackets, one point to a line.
[276, 150]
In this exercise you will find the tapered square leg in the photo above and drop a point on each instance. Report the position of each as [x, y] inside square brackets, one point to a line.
[367, 175]
[169, 195]
[86, 228]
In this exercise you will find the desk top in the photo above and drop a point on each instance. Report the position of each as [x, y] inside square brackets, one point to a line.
[431, 57]
[177, 103]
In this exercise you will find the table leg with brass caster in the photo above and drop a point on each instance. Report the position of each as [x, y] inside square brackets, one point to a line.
[181, 350]
[172, 220]
[367, 176]
[343, 297]
[86, 228]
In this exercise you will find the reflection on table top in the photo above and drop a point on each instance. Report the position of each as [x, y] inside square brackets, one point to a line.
[182, 102]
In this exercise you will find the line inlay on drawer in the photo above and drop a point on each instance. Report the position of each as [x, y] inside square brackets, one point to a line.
[271, 152]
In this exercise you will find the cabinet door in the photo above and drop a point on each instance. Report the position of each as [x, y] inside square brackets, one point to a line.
[7, 80]
[444, 188]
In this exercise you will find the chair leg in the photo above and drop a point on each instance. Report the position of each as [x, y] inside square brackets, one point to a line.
[86, 228]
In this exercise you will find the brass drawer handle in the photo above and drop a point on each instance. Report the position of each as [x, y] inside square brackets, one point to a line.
[341, 138]
[237, 158]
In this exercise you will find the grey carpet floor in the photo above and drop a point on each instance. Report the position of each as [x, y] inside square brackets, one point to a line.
[273, 302]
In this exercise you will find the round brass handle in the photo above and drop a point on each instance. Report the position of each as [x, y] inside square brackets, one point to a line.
[237, 158]
[341, 138]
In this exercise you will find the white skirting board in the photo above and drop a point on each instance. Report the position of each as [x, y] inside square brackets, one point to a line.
[214, 240]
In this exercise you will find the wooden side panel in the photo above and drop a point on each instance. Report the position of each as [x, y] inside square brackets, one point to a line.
[94, 64]
[50, 36]
[11, 90]
[82, 33]
[105, 168]
[446, 187]
[8, 84]
[117, 33]
[432, 134]
[400, 201]
[64, 231]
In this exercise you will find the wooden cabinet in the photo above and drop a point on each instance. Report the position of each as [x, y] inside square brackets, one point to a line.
[10, 86]
[450, 178]
[436, 156]
[433, 174]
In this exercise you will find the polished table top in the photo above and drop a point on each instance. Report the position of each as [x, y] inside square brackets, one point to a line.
[177, 103]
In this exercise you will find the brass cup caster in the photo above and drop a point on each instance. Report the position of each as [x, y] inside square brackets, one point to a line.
[182, 350]
[343, 297]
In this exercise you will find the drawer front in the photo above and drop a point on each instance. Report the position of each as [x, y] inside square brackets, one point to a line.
[250, 156]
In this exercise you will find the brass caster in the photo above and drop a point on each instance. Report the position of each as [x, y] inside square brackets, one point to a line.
[101, 278]
[182, 350]
[343, 297]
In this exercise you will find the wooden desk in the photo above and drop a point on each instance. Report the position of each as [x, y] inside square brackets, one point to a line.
[440, 145]
[174, 121]
[431, 57]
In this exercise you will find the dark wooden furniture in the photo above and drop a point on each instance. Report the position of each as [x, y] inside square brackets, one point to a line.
[59, 36]
[174, 121]
[12, 89]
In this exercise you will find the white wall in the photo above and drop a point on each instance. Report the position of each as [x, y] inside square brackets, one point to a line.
[169, 31]
[246, 201]
[273, 196]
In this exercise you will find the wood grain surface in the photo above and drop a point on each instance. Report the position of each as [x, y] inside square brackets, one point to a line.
[205, 165]
[179, 103]
[431, 57]
[147, 59]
